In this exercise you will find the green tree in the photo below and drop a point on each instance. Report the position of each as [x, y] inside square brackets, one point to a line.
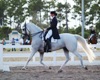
[62, 10]
[98, 27]
[92, 12]
[16, 9]
[3, 7]
[34, 10]
[4, 31]
[47, 6]
[78, 31]
[72, 30]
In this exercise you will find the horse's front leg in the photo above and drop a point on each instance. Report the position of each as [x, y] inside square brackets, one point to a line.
[41, 60]
[32, 54]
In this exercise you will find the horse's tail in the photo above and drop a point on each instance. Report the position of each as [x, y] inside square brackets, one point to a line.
[85, 46]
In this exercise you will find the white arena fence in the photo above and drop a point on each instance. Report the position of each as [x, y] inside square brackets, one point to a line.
[9, 58]
[17, 42]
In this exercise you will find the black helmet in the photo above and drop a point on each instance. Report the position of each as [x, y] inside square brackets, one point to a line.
[53, 12]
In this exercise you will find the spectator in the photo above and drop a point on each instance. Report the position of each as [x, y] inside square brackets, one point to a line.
[13, 43]
[3, 41]
[92, 32]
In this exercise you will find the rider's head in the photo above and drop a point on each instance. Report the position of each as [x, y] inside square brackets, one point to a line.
[93, 28]
[53, 13]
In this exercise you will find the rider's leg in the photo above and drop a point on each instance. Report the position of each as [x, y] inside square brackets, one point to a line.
[45, 35]
[46, 46]
[47, 39]
[49, 43]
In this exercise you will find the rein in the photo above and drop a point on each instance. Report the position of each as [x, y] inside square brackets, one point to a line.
[34, 34]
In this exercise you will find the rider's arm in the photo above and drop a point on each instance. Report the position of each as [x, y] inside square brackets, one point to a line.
[53, 24]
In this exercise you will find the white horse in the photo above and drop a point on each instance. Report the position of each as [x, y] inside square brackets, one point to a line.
[68, 42]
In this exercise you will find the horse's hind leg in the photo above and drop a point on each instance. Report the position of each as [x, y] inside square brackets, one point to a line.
[66, 52]
[80, 58]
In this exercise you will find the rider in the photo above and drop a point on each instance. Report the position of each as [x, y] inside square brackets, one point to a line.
[92, 32]
[53, 29]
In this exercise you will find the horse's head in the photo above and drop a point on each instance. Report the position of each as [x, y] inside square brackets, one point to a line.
[25, 30]
[30, 28]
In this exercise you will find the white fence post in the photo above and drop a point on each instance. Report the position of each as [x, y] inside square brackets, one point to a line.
[2, 67]
[1, 57]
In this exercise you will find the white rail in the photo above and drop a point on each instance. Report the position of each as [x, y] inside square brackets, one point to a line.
[56, 58]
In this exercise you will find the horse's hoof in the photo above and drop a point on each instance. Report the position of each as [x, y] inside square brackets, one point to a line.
[60, 71]
[49, 67]
[23, 68]
[85, 68]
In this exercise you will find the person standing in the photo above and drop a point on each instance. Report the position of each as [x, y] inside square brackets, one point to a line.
[3, 41]
[13, 43]
[92, 32]
[53, 30]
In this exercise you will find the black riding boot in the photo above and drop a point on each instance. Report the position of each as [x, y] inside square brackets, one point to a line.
[49, 45]
[90, 41]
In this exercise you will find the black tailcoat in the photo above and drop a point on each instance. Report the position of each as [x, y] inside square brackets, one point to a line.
[92, 32]
[53, 27]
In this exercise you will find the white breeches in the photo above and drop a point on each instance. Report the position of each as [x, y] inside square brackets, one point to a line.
[48, 34]
[91, 36]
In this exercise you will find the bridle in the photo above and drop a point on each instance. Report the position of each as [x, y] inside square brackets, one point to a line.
[34, 34]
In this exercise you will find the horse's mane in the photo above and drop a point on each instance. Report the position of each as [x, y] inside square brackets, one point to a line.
[35, 26]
